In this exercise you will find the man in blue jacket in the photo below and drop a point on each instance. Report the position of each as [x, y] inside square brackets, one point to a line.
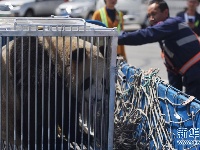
[179, 44]
[192, 18]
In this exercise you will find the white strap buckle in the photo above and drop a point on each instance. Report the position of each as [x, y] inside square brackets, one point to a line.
[190, 99]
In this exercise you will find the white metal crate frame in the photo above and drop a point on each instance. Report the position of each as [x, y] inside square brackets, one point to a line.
[69, 27]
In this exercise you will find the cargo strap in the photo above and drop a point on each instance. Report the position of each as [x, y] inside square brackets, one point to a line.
[168, 63]
[190, 99]
[186, 66]
[190, 63]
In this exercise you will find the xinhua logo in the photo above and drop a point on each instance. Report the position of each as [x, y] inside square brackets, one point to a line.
[187, 136]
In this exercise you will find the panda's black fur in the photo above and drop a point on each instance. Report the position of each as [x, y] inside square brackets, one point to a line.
[48, 96]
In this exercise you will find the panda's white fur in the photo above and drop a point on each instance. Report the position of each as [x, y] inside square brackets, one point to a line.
[72, 44]
[63, 53]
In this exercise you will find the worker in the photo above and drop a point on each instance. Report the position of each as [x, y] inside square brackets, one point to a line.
[111, 18]
[191, 16]
[178, 42]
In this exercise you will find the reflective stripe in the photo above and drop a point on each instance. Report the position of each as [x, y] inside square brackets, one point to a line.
[186, 40]
[103, 16]
[169, 61]
[169, 53]
[182, 25]
[190, 63]
[105, 21]
[120, 21]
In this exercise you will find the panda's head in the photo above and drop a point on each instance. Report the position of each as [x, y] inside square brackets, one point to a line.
[84, 65]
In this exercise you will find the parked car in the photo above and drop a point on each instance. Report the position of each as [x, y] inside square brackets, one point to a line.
[5, 9]
[32, 8]
[135, 11]
[77, 9]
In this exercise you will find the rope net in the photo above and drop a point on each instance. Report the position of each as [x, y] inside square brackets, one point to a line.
[150, 114]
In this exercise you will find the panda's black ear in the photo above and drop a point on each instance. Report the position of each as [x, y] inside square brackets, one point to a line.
[75, 52]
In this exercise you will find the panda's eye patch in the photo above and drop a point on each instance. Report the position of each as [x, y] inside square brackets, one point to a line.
[87, 83]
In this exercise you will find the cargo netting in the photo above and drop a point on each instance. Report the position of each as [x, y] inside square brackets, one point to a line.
[151, 114]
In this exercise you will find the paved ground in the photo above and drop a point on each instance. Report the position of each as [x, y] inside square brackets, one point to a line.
[145, 56]
[131, 27]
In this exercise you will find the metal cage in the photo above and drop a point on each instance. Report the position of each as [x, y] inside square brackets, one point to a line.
[57, 84]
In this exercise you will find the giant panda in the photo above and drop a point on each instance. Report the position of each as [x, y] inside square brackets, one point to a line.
[47, 86]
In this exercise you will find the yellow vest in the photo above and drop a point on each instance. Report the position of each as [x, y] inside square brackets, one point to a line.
[104, 18]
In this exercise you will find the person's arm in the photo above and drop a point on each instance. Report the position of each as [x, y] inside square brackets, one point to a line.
[181, 14]
[150, 34]
[96, 15]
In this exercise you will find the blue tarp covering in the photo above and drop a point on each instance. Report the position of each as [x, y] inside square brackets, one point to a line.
[181, 121]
